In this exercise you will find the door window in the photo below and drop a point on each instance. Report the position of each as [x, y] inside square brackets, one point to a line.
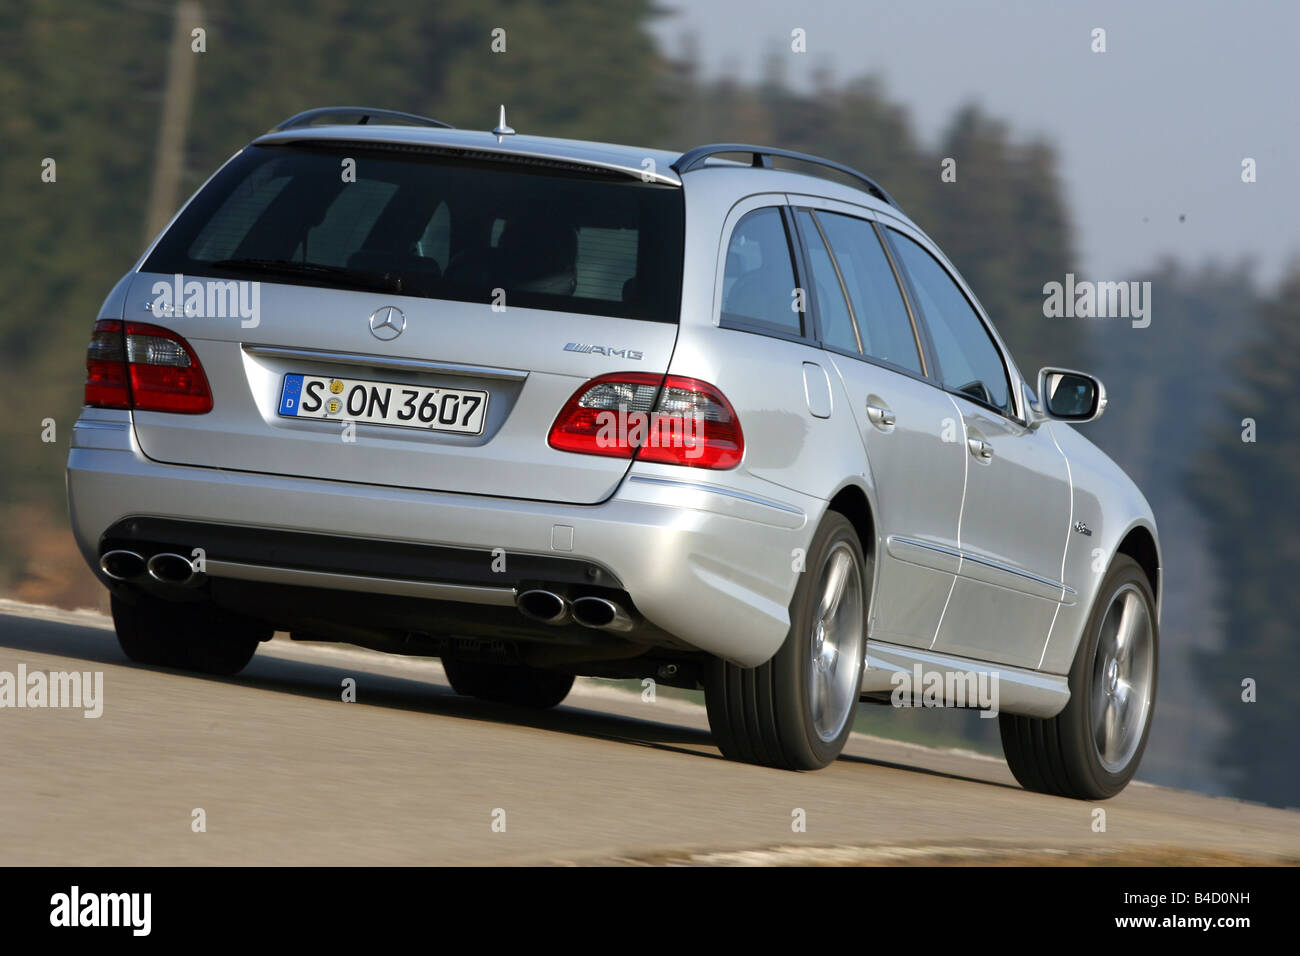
[837, 329]
[878, 305]
[969, 363]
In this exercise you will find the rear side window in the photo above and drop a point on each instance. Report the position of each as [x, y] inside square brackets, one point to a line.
[437, 226]
[758, 284]
[969, 362]
[878, 305]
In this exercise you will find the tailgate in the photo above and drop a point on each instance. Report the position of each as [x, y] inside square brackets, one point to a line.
[443, 308]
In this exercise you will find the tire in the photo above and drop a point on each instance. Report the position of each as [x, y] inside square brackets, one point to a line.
[1079, 753]
[767, 714]
[508, 683]
[194, 637]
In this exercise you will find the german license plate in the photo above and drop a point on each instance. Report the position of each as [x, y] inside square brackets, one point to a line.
[384, 403]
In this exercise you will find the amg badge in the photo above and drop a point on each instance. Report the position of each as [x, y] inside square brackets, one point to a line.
[633, 354]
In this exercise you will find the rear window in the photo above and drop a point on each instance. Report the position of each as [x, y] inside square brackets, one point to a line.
[436, 226]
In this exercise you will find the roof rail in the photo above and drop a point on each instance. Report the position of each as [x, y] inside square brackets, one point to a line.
[762, 158]
[361, 115]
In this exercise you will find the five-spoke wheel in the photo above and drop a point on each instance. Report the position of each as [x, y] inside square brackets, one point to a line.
[1091, 749]
[796, 711]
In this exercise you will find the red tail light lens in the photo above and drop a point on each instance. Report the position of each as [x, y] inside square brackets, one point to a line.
[106, 367]
[165, 373]
[145, 367]
[670, 419]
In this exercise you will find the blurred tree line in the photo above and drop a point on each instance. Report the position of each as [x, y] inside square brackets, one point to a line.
[1244, 477]
[83, 85]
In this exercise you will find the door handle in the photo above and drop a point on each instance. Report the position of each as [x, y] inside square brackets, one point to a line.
[980, 449]
[880, 416]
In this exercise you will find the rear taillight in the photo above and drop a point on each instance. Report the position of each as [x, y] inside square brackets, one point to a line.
[670, 419]
[106, 367]
[146, 367]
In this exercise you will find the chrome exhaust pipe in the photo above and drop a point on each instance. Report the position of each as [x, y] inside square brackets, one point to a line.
[167, 568]
[122, 565]
[602, 614]
[545, 606]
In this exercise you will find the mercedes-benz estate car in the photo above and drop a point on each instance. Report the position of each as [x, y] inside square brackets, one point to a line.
[723, 419]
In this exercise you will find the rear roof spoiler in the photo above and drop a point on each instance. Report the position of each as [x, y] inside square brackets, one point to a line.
[358, 115]
[585, 158]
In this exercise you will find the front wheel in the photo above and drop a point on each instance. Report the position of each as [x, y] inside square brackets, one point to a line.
[796, 711]
[1091, 749]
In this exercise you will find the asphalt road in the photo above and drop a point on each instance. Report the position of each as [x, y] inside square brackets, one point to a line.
[285, 772]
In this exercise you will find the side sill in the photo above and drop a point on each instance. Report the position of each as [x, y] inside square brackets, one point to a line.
[1019, 690]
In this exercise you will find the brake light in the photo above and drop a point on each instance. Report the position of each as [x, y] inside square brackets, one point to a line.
[670, 419]
[145, 367]
[106, 367]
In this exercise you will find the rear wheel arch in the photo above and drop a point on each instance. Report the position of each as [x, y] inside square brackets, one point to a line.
[852, 502]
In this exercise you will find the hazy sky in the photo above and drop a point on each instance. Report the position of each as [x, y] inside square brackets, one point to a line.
[1153, 129]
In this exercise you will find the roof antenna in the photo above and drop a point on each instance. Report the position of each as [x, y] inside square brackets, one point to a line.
[502, 129]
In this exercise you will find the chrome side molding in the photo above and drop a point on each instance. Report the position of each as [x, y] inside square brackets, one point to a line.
[716, 490]
[904, 548]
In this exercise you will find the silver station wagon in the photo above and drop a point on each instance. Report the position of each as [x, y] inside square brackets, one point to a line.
[544, 408]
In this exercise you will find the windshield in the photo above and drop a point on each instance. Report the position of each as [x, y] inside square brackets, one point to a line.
[348, 215]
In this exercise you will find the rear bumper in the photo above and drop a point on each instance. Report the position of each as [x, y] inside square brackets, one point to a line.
[708, 565]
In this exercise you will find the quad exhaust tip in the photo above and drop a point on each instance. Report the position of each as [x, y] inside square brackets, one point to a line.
[169, 568]
[122, 565]
[602, 614]
[545, 606]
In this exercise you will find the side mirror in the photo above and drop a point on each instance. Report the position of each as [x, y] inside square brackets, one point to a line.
[1069, 396]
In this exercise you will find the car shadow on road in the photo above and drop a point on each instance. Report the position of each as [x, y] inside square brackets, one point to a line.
[324, 682]
[428, 696]
[913, 768]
